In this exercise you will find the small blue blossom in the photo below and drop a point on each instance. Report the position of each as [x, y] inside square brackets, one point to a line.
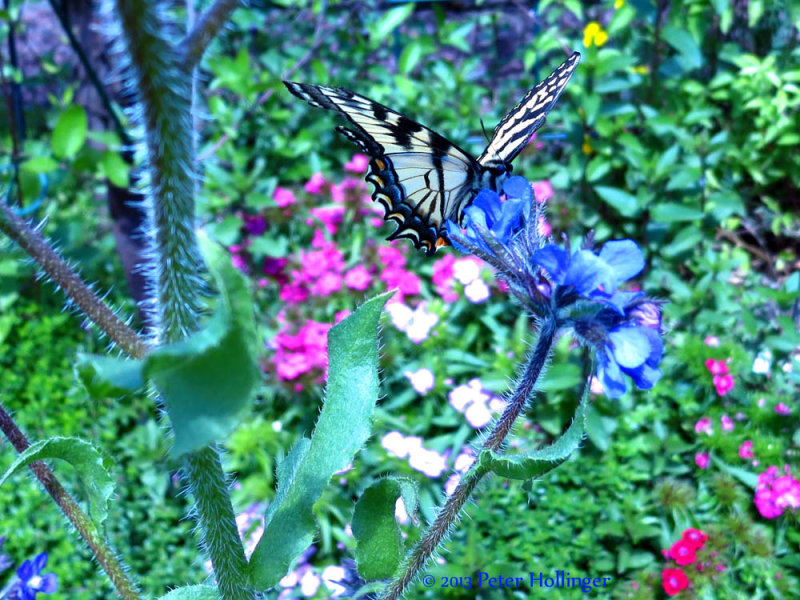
[32, 582]
[631, 350]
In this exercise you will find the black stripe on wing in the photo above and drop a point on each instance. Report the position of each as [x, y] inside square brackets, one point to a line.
[395, 143]
[512, 133]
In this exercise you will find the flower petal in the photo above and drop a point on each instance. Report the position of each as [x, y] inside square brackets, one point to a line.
[624, 257]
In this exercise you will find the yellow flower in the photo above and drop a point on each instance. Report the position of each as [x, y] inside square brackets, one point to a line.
[641, 69]
[619, 4]
[586, 147]
[594, 34]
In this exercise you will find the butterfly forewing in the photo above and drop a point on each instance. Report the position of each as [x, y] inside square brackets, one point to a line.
[515, 130]
[421, 178]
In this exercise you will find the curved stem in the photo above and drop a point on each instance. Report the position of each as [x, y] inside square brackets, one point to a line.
[105, 555]
[452, 508]
[32, 242]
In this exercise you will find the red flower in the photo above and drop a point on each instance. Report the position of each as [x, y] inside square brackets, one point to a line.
[682, 552]
[694, 537]
[674, 580]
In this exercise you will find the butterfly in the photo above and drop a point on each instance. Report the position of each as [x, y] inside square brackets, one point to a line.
[421, 178]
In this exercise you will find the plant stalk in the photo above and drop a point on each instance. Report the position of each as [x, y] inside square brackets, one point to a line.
[449, 514]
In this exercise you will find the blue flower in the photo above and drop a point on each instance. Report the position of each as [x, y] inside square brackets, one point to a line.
[32, 582]
[490, 215]
[593, 276]
[502, 231]
[624, 328]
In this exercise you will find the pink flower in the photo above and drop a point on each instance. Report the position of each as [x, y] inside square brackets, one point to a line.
[543, 227]
[239, 262]
[682, 552]
[284, 197]
[775, 494]
[702, 459]
[704, 426]
[341, 315]
[783, 409]
[443, 277]
[542, 191]
[746, 449]
[694, 537]
[406, 282]
[391, 256]
[723, 383]
[358, 278]
[294, 292]
[331, 216]
[273, 266]
[712, 341]
[327, 283]
[674, 581]
[717, 367]
[358, 164]
[315, 184]
[727, 423]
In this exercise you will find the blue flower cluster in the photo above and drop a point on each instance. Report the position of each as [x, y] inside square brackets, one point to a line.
[579, 289]
[29, 580]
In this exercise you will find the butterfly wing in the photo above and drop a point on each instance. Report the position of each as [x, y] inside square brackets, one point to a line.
[515, 130]
[420, 178]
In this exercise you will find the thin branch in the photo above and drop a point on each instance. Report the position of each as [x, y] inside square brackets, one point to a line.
[32, 242]
[92, 74]
[205, 30]
[104, 554]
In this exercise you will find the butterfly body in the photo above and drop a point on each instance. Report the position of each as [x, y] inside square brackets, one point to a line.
[420, 178]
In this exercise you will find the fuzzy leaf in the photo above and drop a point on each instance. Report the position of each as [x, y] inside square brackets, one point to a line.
[379, 541]
[207, 380]
[70, 132]
[540, 462]
[85, 459]
[342, 429]
[104, 376]
[193, 592]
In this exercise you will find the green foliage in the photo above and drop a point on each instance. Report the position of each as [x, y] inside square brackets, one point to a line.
[352, 391]
[81, 456]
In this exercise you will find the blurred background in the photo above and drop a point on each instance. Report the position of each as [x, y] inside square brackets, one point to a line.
[679, 130]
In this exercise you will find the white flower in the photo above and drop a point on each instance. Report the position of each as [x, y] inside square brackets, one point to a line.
[466, 270]
[422, 380]
[477, 291]
[763, 362]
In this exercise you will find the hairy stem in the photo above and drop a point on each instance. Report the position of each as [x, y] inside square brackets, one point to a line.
[105, 555]
[450, 512]
[165, 93]
[32, 242]
[220, 536]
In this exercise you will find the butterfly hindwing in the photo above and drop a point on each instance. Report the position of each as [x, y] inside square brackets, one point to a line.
[513, 133]
[421, 179]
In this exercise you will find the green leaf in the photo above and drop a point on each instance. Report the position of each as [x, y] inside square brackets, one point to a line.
[625, 203]
[208, 379]
[540, 462]
[672, 212]
[342, 429]
[389, 22]
[379, 548]
[85, 459]
[70, 132]
[107, 377]
[40, 164]
[115, 168]
[748, 478]
[685, 44]
[193, 592]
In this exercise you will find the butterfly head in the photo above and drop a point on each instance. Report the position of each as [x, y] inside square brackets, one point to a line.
[495, 173]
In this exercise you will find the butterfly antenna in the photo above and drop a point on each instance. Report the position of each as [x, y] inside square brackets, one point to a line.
[483, 127]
